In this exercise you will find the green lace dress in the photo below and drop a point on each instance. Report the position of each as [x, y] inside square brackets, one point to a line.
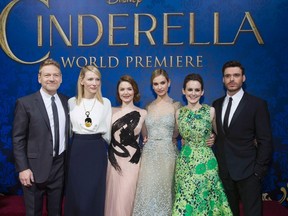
[198, 188]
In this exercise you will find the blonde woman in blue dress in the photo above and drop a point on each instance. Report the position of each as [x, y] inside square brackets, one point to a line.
[198, 188]
[155, 182]
[90, 115]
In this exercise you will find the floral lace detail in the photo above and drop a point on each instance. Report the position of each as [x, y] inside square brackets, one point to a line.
[198, 188]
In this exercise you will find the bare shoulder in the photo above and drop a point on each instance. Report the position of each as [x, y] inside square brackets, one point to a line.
[142, 112]
[212, 110]
[177, 112]
[115, 110]
[177, 105]
[148, 105]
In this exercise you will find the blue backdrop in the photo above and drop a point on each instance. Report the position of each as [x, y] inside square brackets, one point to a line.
[135, 37]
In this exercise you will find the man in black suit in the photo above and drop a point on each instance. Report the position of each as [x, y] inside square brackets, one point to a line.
[40, 135]
[243, 145]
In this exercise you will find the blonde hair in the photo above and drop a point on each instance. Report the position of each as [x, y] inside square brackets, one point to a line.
[158, 72]
[80, 88]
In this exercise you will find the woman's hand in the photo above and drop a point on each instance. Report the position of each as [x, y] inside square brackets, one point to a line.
[211, 140]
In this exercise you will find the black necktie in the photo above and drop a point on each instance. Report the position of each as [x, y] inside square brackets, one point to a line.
[56, 125]
[226, 116]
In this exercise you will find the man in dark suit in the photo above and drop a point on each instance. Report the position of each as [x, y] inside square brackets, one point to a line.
[40, 135]
[243, 145]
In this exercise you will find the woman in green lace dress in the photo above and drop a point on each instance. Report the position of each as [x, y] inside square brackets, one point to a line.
[198, 188]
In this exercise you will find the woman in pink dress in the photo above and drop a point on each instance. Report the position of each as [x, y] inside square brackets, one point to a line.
[124, 151]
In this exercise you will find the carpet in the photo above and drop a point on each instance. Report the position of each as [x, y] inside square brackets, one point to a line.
[14, 206]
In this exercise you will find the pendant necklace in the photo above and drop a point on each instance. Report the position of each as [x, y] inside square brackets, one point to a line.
[88, 120]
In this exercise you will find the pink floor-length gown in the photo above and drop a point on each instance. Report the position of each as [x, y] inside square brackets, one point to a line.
[121, 185]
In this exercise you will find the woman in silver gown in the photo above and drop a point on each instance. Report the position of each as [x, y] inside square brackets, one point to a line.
[155, 183]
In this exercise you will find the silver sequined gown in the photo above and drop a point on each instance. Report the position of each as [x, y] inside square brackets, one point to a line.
[155, 183]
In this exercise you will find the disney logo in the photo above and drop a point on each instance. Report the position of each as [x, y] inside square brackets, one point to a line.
[112, 2]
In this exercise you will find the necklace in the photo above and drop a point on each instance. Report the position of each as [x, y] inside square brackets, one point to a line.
[88, 120]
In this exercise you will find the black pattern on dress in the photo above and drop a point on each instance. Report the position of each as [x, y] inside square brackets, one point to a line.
[126, 124]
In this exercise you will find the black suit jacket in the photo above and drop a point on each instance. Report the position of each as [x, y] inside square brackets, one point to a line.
[32, 136]
[236, 151]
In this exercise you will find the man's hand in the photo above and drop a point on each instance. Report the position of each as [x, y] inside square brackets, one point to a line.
[26, 177]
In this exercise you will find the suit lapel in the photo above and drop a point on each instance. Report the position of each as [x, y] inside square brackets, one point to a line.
[65, 107]
[40, 104]
[64, 102]
[239, 109]
[219, 113]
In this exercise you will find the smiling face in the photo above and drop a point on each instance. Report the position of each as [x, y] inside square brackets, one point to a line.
[126, 92]
[160, 85]
[91, 83]
[50, 78]
[193, 91]
[233, 79]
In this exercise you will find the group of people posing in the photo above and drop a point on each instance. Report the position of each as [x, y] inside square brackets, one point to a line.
[124, 161]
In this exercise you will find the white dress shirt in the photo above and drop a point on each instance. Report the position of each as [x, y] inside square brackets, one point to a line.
[61, 116]
[235, 102]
